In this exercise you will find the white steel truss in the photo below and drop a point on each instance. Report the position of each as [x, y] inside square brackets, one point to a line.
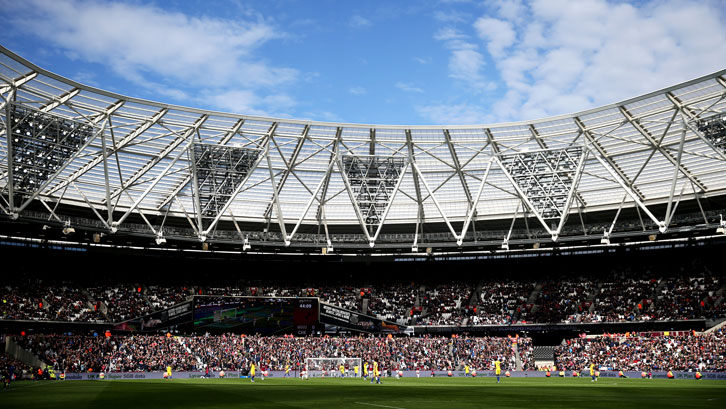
[294, 177]
[372, 183]
[546, 181]
[218, 171]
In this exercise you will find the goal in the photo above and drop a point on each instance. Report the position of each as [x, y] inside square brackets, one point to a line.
[331, 366]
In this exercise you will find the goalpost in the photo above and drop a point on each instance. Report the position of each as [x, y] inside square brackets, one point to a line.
[331, 366]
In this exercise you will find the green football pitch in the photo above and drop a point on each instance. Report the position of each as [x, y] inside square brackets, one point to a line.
[355, 393]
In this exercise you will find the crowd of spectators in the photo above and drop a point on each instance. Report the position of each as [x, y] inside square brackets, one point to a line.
[122, 302]
[162, 297]
[621, 296]
[20, 369]
[500, 301]
[686, 297]
[394, 302]
[446, 304]
[35, 301]
[561, 300]
[645, 353]
[73, 353]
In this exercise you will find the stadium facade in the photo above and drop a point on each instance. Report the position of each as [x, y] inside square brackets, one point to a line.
[77, 157]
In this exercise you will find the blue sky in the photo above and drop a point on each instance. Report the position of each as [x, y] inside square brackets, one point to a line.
[374, 62]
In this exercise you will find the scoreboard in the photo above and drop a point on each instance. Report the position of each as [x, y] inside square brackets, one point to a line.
[256, 315]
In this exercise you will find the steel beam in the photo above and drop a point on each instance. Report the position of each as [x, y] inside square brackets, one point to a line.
[675, 176]
[11, 170]
[265, 141]
[288, 165]
[14, 84]
[60, 170]
[162, 155]
[353, 201]
[571, 194]
[457, 165]
[90, 165]
[421, 216]
[628, 190]
[684, 110]
[601, 152]
[472, 210]
[56, 102]
[187, 179]
[436, 202]
[390, 203]
[634, 123]
[275, 195]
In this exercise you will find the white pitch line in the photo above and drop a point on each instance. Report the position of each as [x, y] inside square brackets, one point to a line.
[380, 406]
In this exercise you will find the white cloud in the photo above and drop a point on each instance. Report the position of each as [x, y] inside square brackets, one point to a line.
[451, 16]
[157, 49]
[358, 21]
[423, 60]
[499, 34]
[250, 103]
[454, 114]
[465, 61]
[407, 87]
[560, 56]
[358, 91]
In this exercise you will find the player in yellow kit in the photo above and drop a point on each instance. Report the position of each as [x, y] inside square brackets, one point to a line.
[497, 368]
[355, 371]
[376, 373]
[365, 370]
[592, 372]
[252, 371]
[168, 372]
[342, 371]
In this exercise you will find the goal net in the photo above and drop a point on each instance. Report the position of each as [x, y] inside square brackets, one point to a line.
[317, 367]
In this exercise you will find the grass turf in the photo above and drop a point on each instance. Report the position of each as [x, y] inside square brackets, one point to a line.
[355, 393]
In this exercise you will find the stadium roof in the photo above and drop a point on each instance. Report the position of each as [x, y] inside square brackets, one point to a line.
[146, 159]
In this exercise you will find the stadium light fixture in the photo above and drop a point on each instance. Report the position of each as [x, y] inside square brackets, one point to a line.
[96, 237]
[160, 239]
[721, 226]
[605, 238]
[414, 248]
[68, 229]
[246, 245]
[505, 244]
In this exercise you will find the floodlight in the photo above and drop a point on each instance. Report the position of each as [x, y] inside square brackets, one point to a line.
[160, 239]
[505, 244]
[721, 226]
[219, 172]
[246, 245]
[373, 180]
[414, 248]
[605, 238]
[68, 229]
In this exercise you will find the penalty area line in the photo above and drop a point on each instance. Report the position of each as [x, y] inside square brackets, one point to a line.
[379, 406]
